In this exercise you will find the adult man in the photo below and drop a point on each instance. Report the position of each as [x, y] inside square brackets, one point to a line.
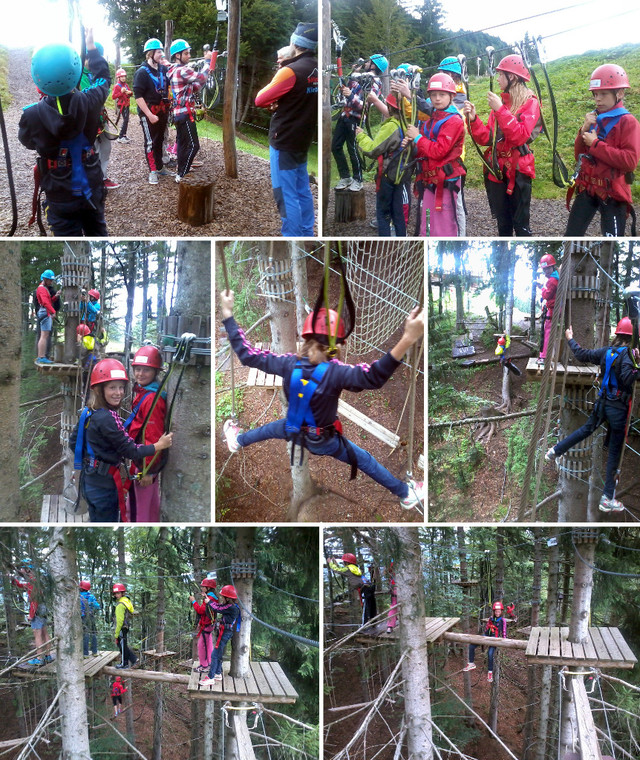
[293, 94]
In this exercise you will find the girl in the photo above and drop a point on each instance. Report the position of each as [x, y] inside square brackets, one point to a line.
[607, 149]
[225, 627]
[319, 430]
[206, 617]
[117, 690]
[146, 427]
[509, 130]
[100, 444]
[122, 95]
[548, 296]
[37, 612]
[439, 145]
[496, 628]
[619, 371]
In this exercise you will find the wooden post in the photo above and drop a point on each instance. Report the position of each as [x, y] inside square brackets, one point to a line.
[168, 37]
[230, 90]
[326, 107]
[350, 205]
[195, 200]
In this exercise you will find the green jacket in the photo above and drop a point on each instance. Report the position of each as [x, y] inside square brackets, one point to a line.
[386, 143]
[124, 613]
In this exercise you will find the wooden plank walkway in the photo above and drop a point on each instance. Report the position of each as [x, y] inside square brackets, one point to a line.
[435, 628]
[53, 511]
[266, 682]
[61, 370]
[583, 374]
[91, 665]
[604, 648]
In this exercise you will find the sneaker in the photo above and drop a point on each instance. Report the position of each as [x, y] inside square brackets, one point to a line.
[490, 677]
[217, 677]
[610, 504]
[469, 666]
[111, 184]
[197, 164]
[373, 224]
[36, 662]
[343, 183]
[207, 681]
[356, 185]
[178, 178]
[48, 658]
[203, 669]
[415, 496]
[120, 666]
[551, 455]
[153, 178]
[540, 361]
[124, 139]
[164, 172]
[231, 431]
[43, 360]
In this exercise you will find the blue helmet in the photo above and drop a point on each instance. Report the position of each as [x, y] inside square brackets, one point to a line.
[178, 46]
[450, 63]
[382, 64]
[404, 67]
[152, 44]
[100, 48]
[56, 69]
[48, 275]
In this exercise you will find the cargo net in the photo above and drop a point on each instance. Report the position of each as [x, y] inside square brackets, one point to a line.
[386, 278]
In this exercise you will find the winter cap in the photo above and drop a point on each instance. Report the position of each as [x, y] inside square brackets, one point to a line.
[305, 36]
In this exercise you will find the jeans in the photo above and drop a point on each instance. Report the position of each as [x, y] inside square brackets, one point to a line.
[616, 415]
[345, 132]
[490, 653]
[218, 653]
[390, 208]
[89, 641]
[613, 215]
[332, 447]
[78, 218]
[102, 502]
[511, 211]
[46, 321]
[291, 191]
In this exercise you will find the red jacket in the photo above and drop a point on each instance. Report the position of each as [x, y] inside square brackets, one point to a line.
[438, 151]
[204, 617]
[549, 292]
[122, 95]
[155, 426]
[28, 587]
[44, 299]
[118, 689]
[612, 157]
[516, 130]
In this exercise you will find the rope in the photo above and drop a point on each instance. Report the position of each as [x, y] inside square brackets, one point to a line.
[599, 569]
[294, 636]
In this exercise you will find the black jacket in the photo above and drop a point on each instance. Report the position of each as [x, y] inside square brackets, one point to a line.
[624, 369]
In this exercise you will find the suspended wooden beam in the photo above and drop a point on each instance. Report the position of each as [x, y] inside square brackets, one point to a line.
[243, 739]
[487, 641]
[434, 627]
[603, 648]
[91, 665]
[587, 736]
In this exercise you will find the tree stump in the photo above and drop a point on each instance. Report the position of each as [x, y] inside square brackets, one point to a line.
[350, 205]
[195, 200]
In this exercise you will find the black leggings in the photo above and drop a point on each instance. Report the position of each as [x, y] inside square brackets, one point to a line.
[344, 132]
[511, 211]
[613, 215]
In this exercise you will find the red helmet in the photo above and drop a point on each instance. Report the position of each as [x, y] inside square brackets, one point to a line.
[107, 370]
[609, 77]
[442, 82]
[209, 583]
[547, 260]
[147, 356]
[84, 585]
[624, 327]
[497, 606]
[350, 558]
[391, 101]
[229, 591]
[119, 587]
[83, 330]
[320, 326]
[513, 64]
[93, 293]
[118, 678]
[502, 341]
[121, 73]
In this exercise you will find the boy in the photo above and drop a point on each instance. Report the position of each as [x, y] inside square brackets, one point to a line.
[124, 616]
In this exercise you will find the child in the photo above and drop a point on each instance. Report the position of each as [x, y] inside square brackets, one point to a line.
[122, 95]
[548, 295]
[151, 91]
[510, 128]
[37, 612]
[225, 628]
[90, 309]
[206, 617]
[496, 628]
[619, 371]
[124, 616]
[185, 81]
[88, 606]
[351, 116]
[117, 690]
[144, 495]
[48, 300]
[100, 443]
[321, 431]
[439, 144]
[390, 184]
[607, 149]
[62, 127]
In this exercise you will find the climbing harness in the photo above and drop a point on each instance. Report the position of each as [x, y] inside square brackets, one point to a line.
[609, 385]
[339, 41]
[491, 168]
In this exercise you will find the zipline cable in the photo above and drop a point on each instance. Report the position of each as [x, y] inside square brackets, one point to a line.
[601, 570]
[294, 636]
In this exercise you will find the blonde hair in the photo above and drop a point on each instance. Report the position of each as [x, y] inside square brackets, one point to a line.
[97, 399]
[316, 352]
[519, 93]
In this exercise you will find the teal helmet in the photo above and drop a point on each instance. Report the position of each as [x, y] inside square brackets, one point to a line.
[178, 46]
[450, 63]
[404, 67]
[381, 63]
[100, 48]
[48, 275]
[56, 69]
[152, 44]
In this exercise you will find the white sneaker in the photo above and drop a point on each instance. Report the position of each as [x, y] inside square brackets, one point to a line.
[153, 178]
[551, 455]
[344, 183]
[415, 496]
[468, 667]
[610, 504]
[178, 178]
[217, 677]
[207, 681]
[490, 677]
[356, 185]
[231, 432]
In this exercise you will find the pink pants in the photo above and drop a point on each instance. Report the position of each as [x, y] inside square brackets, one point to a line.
[205, 647]
[146, 500]
[392, 615]
[441, 223]
[547, 332]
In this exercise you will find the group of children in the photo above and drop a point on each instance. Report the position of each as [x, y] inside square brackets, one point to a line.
[431, 143]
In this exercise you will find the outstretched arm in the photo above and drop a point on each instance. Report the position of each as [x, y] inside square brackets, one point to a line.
[413, 331]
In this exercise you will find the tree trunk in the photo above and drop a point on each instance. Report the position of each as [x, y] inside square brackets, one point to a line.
[413, 641]
[145, 295]
[68, 628]
[326, 107]
[508, 324]
[457, 254]
[250, 93]
[128, 695]
[528, 750]
[10, 351]
[186, 480]
[299, 269]
[230, 91]
[495, 686]
[130, 284]
[158, 715]
[163, 269]
[465, 619]
[11, 618]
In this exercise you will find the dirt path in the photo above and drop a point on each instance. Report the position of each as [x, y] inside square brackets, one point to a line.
[244, 206]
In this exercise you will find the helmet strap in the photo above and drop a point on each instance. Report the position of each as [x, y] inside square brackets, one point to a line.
[59, 105]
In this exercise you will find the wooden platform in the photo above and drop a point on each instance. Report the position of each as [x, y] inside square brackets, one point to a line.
[61, 370]
[583, 374]
[266, 683]
[435, 627]
[53, 511]
[153, 653]
[91, 665]
[605, 648]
